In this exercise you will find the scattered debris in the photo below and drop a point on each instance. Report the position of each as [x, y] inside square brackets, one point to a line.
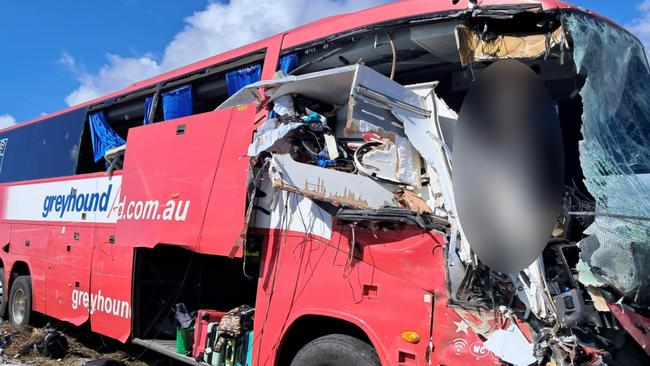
[511, 346]
[351, 146]
[412, 201]
[342, 145]
[52, 344]
[42, 346]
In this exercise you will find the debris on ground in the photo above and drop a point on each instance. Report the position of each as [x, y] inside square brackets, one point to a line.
[61, 346]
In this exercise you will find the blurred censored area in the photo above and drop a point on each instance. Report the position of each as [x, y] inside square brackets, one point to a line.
[508, 166]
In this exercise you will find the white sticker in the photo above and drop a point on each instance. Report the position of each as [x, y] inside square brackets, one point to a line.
[332, 149]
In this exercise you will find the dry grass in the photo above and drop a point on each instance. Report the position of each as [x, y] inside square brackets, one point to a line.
[81, 348]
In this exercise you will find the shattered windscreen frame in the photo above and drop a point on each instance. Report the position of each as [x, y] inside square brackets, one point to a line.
[615, 151]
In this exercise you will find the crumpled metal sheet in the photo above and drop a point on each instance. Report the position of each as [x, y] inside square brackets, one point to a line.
[345, 189]
[511, 345]
[266, 139]
[614, 151]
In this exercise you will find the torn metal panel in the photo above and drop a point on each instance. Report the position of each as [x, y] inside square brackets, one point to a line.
[396, 162]
[534, 292]
[339, 82]
[408, 167]
[481, 322]
[511, 345]
[374, 87]
[329, 185]
[614, 152]
[474, 47]
[268, 138]
[420, 133]
[288, 211]
[426, 137]
[412, 201]
[284, 107]
[378, 159]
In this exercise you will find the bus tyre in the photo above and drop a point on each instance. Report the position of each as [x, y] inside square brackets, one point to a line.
[20, 301]
[4, 294]
[336, 350]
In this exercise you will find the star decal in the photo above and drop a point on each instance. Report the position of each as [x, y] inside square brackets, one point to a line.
[461, 326]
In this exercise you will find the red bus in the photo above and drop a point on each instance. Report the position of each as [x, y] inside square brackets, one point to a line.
[308, 177]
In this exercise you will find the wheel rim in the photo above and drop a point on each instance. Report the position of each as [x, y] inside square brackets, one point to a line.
[19, 306]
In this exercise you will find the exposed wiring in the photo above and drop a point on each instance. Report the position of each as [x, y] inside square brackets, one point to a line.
[353, 227]
[284, 224]
[320, 147]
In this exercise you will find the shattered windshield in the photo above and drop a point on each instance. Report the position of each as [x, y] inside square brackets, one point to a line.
[614, 152]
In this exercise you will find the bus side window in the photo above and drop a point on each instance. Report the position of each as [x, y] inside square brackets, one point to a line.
[114, 122]
[205, 94]
[196, 93]
[44, 149]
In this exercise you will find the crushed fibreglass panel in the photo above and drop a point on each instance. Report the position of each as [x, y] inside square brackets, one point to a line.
[614, 152]
[291, 212]
[474, 47]
[328, 185]
[511, 345]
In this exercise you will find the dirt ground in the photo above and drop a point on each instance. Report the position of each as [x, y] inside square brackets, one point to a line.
[83, 346]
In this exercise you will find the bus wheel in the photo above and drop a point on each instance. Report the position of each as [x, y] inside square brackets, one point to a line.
[3, 294]
[20, 301]
[336, 350]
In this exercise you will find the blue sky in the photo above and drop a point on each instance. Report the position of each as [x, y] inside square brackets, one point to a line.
[57, 53]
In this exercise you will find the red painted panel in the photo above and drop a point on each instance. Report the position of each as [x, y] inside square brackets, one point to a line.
[409, 254]
[34, 255]
[37, 268]
[386, 13]
[224, 218]
[29, 240]
[111, 278]
[167, 179]
[68, 278]
[314, 278]
[5, 234]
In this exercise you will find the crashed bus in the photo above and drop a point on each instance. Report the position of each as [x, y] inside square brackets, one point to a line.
[419, 183]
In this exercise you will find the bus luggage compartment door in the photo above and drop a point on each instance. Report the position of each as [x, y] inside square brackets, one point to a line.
[168, 174]
[69, 253]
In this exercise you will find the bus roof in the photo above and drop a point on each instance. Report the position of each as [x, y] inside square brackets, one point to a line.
[313, 31]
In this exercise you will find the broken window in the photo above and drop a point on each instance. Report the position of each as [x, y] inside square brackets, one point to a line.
[614, 152]
[361, 132]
